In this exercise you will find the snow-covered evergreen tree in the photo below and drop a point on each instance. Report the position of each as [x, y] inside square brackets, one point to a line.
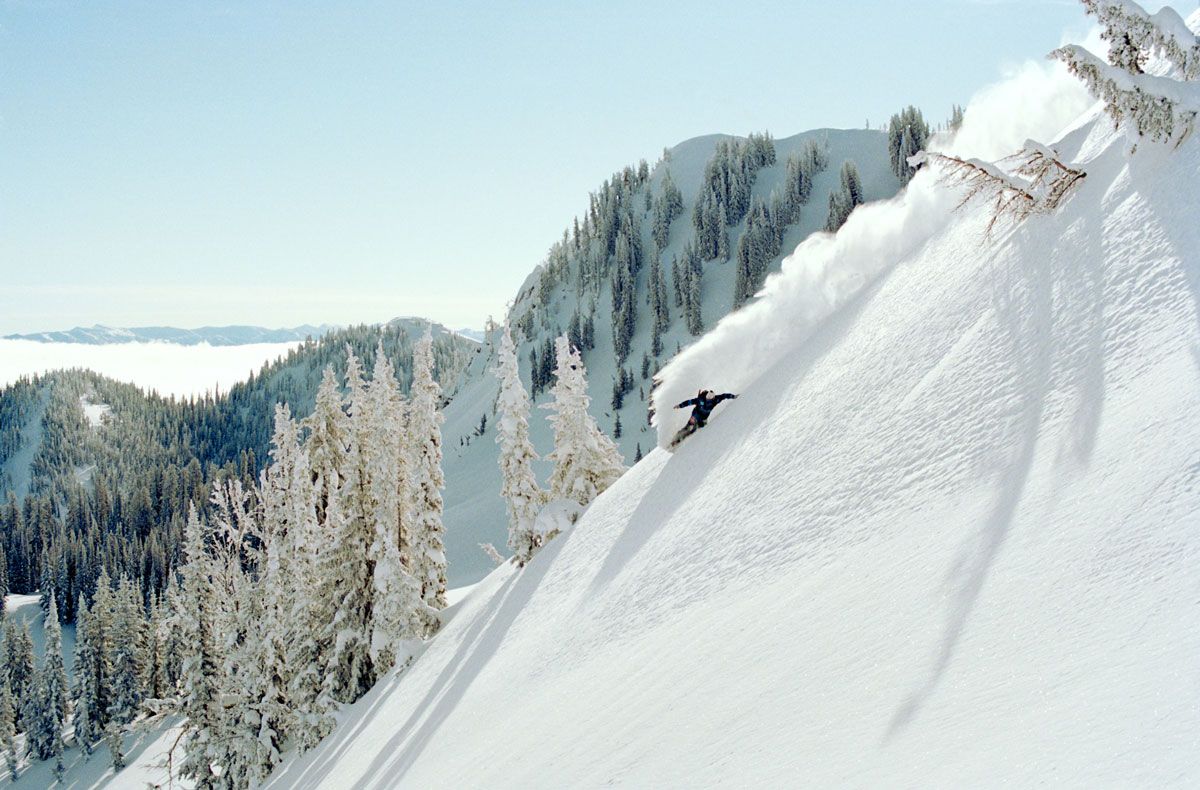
[586, 462]
[307, 635]
[87, 674]
[519, 485]
[3, 581]
[1133, 35]
[907, 133]
[99, 655]
[18, 660]
[201, 681]
[1155, 104]
[115, 742]
[350, 670]
[173, 647]
[127, 645]
[154, 660]
[427, 481]
[47, 711]
[397, 599]
[842, 202]
[328, 438]
[8, 728]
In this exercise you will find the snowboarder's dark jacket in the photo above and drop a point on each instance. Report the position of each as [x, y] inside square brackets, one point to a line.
[702, 407]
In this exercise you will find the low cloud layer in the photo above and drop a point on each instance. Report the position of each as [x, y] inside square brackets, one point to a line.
[166, 368]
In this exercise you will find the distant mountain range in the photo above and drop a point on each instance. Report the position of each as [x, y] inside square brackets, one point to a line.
[213, 335]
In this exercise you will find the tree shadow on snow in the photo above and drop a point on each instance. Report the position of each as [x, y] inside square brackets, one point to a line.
[1025, 311]
[480, 642]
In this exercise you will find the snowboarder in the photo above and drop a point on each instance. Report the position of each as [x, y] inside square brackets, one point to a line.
[702, 406]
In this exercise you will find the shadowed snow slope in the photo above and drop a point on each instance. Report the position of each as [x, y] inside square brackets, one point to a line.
[948, 538]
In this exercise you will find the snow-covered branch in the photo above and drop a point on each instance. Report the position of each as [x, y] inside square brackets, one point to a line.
[1133, 35]
[1158, 106]
[1038, 183]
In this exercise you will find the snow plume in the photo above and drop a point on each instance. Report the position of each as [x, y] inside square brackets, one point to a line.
[826, 271]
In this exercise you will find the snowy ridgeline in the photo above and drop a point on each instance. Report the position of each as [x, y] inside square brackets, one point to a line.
[630, 312]
[945, 537]
[207, 335]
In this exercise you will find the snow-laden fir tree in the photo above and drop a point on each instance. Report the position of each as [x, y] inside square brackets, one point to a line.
[155, 664]
[842, 202]
[115, 742]
[88, 729]
[427, 481]
[907, 134]
[307, 636]
[328, 438]
[127, 641]
[3, 580]
[201, 681]
[8, 728]
[519, 485]
[98, 655]
[18, 659]
[586, 462]
[172, 637]
[283, 487]
[47, 704]
[397, 605]
[349, 669]
[236, 541]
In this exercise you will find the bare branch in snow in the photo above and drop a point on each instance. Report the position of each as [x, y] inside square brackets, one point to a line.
[1038, 184]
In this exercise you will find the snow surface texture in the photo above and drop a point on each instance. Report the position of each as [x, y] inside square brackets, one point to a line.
[168, 368]
[946, 537]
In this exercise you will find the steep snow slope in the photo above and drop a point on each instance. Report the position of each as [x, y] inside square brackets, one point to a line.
[474, 512]
[947, 537]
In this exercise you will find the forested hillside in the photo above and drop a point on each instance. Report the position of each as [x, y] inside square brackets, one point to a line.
[98, 474]
[658, 255]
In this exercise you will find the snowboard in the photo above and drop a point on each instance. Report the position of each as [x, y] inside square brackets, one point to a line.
[684, 433]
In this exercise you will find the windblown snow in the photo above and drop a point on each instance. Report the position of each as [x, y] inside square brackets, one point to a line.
[945, 537]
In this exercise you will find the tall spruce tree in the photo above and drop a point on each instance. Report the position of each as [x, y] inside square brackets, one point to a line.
[586, 462]
[519, 485]
[201, 681]
[350, 668]
[8, 729]
[48, 703]
[18, 659]
[88, 728]
[427, 481]
[396, 593]
[127, 646]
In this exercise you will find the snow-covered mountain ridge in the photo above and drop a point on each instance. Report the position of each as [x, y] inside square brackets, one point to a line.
[551, 296]
[212, 335]
[945, 537]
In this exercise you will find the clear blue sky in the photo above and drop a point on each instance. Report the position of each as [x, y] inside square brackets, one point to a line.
[275, 163]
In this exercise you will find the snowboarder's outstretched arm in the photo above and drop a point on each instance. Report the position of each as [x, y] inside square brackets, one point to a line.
[724, 396]
[686, 403]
